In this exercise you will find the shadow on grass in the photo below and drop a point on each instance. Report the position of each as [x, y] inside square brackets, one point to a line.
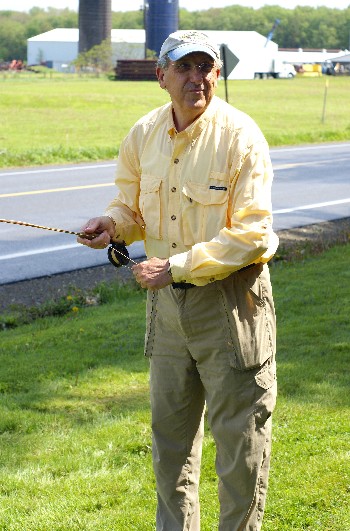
[76, 367]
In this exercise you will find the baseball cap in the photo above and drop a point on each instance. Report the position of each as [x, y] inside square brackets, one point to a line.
[181, 43]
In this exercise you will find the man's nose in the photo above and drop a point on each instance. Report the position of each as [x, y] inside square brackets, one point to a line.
[196, 74]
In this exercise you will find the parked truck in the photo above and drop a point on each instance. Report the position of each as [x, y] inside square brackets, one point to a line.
[267, 67]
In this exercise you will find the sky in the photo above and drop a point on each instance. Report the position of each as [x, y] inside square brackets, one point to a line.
[191, 5]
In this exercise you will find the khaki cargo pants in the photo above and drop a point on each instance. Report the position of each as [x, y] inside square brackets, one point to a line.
[212, 345]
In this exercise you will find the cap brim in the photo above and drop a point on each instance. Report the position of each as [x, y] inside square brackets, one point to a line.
[185, 49]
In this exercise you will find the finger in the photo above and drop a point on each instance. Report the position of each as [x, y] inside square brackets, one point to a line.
[85, 241]
[90, 226]
[136, 269]
[101, 241]
[94, 226]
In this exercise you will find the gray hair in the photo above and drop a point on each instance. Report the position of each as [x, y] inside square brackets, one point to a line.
[164, 62]
[218, 62]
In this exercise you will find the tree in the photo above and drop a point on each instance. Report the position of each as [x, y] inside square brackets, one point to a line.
[302, 27]
[98, 59]
[12, 40]
[128, 20]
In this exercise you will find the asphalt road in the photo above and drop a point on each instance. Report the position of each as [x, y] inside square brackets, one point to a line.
[312, 184]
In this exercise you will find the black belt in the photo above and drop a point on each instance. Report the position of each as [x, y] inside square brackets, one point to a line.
[183, 285]
[246, 267]
[187, 285]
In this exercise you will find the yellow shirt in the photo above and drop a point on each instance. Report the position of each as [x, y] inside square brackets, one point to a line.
[201, 197]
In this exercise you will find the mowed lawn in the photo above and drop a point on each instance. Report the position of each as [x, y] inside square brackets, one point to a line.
[65, 118]
[75, 438]
[75, 432]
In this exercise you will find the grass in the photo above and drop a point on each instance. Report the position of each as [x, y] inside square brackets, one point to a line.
[75, 424]
[65, 118]
[75, 433]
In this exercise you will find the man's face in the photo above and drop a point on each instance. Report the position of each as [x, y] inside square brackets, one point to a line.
[191, 82]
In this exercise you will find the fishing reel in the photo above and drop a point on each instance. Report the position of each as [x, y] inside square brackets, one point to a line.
[118, 254]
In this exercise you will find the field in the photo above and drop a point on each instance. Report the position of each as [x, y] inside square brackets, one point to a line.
[75, 423]
[70, 119]
[75, 434]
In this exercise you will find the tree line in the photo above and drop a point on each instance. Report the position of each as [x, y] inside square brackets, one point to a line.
[301, 27]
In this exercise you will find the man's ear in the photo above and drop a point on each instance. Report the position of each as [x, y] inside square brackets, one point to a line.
[160, 76]
[217, 76]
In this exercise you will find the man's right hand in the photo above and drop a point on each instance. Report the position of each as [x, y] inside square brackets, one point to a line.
[103, 230]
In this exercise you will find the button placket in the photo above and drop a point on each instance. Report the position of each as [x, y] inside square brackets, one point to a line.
[180, 145]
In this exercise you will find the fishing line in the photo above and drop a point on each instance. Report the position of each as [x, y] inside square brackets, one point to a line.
[121, 259]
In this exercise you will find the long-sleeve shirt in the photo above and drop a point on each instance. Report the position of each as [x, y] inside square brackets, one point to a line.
[200, 197]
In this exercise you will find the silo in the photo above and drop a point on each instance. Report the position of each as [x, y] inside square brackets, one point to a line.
[95, 23]
[162, 18]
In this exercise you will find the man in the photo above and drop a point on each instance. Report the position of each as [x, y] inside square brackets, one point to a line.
[194, 179]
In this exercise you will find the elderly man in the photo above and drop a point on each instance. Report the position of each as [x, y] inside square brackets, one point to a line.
[194, 182]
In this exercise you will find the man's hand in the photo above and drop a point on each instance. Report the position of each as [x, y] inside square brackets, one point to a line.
[153, 273]
[104, 229]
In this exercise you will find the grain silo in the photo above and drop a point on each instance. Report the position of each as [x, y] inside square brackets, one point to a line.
[161, 19]
[95, 23]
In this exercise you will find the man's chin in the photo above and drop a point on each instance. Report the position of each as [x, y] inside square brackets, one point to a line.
[198, 102]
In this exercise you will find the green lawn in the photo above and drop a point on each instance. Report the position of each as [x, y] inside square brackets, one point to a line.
[75, 433]
[65, 118]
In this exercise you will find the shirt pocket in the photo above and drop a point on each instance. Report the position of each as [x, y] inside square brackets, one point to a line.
[150, 190]
[204, 208]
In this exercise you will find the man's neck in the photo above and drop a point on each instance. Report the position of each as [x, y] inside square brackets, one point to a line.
[183, 121]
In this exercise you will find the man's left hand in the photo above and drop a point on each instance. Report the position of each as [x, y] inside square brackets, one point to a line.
[153, 273]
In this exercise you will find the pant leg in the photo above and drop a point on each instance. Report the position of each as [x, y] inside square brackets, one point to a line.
[240, 420]
[231, 331]
[177, 403]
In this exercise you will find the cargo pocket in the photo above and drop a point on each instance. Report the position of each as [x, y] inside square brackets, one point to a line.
[151, 312]
[203, 212]
[266, 377]
[249, 333]
[150, 189]
[267, 383]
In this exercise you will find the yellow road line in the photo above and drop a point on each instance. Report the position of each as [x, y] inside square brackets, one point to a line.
[54, 190]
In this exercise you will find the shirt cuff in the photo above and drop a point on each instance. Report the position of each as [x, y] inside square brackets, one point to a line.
[180, 265]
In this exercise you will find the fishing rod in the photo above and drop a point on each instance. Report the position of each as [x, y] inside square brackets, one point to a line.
[122, 257]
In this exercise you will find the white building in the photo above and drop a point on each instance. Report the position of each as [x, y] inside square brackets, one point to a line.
[254, 51]
[59, 47]
[302, 57]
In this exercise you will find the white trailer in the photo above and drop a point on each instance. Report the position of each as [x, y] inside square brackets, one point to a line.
[267, 64]
[276, 69]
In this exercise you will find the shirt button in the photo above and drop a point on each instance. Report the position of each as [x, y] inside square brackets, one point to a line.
[173, 245]
[176, 161]
[173, 217]
[173, 189]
